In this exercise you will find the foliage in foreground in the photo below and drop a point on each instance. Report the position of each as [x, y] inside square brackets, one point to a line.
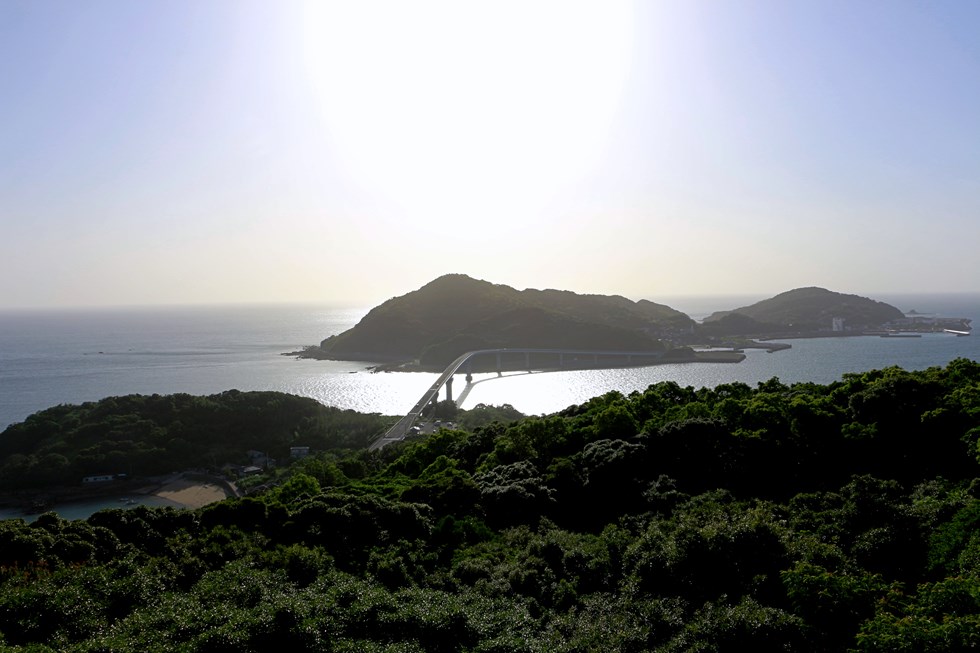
[776, 518]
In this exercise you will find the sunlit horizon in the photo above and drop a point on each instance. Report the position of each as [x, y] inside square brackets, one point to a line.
[344, 153]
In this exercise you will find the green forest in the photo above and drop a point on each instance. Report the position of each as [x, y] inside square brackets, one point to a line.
[804, 517]
[142, 435]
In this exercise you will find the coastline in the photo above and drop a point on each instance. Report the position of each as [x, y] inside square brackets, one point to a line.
[719, 354]
[182, 490]
[191, 491]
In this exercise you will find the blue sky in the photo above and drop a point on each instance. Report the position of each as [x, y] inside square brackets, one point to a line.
[244, 151]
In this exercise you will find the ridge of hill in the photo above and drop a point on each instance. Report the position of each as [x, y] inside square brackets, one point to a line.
[809, 309]
[456, 313]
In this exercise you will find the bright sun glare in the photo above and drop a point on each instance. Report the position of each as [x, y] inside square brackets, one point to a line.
[465, 110]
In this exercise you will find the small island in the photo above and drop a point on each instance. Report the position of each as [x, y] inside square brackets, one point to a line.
[430, 327]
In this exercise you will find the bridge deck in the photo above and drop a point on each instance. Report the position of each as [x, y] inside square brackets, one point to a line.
[400, 429]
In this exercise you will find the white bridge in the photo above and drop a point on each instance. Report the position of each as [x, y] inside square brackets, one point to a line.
[559, 358]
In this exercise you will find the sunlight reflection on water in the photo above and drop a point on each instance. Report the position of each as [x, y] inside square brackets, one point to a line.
[52, 358]
[819, 360]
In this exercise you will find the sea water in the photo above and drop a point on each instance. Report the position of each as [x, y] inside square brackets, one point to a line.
[57, 357]
[51, 357]
[88, 507]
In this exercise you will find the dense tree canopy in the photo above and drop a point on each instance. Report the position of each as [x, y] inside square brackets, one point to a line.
[777, 518]
[157, 434]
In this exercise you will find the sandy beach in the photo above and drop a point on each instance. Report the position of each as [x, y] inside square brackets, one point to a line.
[190, 493]
[182, 490]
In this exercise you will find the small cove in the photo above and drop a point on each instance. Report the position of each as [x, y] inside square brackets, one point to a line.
[85, 508]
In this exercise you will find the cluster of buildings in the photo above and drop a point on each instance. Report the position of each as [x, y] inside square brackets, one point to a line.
[925, 322]
[258, 462]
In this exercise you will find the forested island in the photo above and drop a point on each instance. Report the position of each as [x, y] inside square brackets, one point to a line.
[780, 517]
[429, 327]
[804, 312]
[455, 313]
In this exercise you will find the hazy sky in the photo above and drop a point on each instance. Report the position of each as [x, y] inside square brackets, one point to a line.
[237, 150]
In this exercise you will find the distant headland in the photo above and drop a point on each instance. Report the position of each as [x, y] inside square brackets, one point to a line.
[428, 328]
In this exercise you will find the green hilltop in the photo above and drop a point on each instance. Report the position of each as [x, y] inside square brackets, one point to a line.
[456, 313]
[804, 310]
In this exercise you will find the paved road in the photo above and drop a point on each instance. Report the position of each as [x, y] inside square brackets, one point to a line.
[401, 427]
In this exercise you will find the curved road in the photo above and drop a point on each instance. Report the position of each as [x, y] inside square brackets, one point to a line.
[401, 427]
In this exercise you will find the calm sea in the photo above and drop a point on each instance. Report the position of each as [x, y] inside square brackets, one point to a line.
[71, 356]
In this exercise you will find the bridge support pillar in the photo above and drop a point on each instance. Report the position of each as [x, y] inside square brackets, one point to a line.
[527, 360]
[498, 363]
[449, 389]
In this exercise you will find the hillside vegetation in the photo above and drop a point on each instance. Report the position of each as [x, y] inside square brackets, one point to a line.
[454, 314]
[804, 310]
[782, 517]
[157, 434]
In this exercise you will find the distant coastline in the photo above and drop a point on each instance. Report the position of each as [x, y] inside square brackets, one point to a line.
[429, 328]
[682, 355]
[213, 349]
